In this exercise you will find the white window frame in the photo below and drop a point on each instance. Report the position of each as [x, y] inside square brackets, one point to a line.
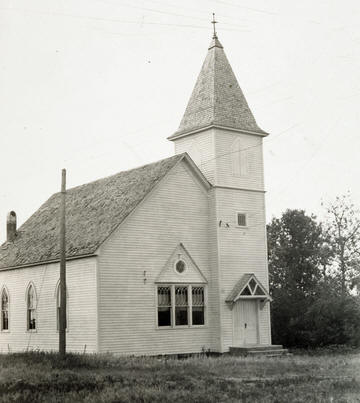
[189, 306]
[31, 285]
[237, 219]
[4, 289]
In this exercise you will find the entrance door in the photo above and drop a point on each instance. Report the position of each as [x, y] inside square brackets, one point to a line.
[245, 321]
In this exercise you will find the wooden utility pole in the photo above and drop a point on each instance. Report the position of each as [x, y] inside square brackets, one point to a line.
[62, 313]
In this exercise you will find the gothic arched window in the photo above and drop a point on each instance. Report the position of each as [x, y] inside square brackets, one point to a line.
[58, 301]
[4, 310]
[31, 303]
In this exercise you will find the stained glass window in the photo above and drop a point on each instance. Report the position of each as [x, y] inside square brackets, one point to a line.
[31, 308]
[181, 306]
[4, 310]
[164, 306]
[176, 308]
[198, 306]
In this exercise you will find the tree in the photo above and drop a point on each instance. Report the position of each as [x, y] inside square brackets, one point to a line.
[297, 254]
[343, 232]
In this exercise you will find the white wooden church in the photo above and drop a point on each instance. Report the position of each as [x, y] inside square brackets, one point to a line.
[168, 258]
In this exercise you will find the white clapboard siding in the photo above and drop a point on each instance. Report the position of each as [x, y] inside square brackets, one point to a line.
[177, 211]
[250, 160]
[235, 251]
[82, 307]
[241, 250]
[200, 147]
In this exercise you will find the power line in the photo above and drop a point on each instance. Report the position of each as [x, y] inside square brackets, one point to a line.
[114, 20]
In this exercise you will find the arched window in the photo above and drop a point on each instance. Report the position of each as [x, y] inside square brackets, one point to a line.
[4, 310]
[58, 301]
[239, 158]
[31, 307]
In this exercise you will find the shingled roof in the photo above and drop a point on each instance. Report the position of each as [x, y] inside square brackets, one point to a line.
[217, 99]
[93, 212]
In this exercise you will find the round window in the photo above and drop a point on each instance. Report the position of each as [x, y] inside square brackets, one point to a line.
[180, 266]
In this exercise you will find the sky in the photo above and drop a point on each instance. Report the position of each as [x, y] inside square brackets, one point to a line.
[96, 86]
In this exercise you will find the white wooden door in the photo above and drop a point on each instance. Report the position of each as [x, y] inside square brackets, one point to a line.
[245, 322]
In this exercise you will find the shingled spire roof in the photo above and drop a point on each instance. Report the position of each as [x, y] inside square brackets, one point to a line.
[217, 99]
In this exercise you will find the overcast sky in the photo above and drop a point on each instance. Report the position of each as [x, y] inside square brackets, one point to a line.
[96, 86]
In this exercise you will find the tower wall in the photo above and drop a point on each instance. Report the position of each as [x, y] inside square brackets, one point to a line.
[233, 163]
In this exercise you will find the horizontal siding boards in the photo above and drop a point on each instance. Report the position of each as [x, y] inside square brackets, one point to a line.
[214, 264]
[251, 147]
[131, 260]
[241, 250]
[200, 147]
[234, 250]
[82, 325]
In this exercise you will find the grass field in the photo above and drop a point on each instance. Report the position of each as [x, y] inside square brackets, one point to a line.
[41, 377]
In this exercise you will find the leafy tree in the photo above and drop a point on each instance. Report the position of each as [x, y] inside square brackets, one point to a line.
[297, 253]
[333, 320]
[343, 231]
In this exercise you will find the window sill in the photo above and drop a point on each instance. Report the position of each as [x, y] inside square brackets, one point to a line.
[31, 331]
[242, 226]
[181, 327]
[5, 331]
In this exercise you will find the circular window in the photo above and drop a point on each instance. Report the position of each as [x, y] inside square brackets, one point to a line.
[180, 266]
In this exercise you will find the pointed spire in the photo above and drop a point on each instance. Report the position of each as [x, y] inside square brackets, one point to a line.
[214, 22]
[217, 99]
[215, 41]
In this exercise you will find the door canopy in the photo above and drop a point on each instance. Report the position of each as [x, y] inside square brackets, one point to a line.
[248, 287]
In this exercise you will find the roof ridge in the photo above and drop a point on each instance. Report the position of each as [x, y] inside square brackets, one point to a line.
[120, 172]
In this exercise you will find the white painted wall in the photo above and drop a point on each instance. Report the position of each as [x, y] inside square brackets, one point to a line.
[241, 250]
[176, 211]
[233, 163]
[82, 307]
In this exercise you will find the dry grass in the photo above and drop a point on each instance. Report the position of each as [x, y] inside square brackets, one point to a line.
[42, 377]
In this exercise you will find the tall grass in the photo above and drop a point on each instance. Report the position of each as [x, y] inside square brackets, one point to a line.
[43, 377]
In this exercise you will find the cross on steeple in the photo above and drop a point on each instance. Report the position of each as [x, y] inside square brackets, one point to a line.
[214, 22]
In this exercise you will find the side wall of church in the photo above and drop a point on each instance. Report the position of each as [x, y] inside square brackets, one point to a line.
[82, 307]
[177, 211]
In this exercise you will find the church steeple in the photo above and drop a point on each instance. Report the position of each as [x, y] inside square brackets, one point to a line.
[217, 99]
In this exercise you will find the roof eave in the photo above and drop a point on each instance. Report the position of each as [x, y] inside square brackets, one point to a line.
[42, 262]
[181, 134]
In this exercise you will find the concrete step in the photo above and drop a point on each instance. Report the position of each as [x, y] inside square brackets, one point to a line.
[269, 352]
[273, 350]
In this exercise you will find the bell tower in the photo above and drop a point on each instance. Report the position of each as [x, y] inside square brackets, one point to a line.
[219, 132]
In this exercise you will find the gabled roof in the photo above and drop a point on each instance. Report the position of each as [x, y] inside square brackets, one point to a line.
[93, 212]
[217, 99]
[248, 287]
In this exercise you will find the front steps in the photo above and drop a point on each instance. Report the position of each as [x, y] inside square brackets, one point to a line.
[274, 350]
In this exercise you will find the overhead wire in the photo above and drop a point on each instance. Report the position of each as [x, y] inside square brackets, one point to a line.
[114, 20]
